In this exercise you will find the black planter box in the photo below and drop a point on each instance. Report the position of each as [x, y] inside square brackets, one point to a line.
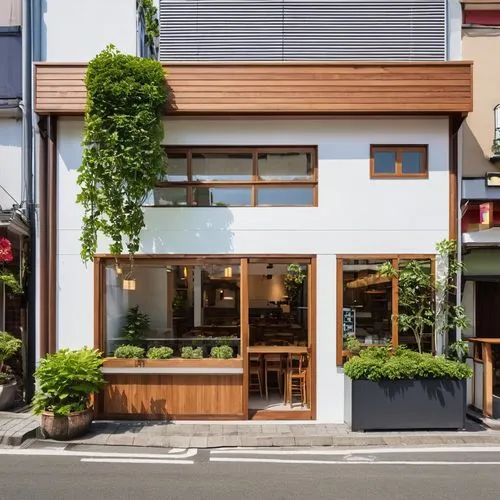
[404, 404]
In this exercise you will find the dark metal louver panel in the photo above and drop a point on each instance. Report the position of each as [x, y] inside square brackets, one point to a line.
[287, 30]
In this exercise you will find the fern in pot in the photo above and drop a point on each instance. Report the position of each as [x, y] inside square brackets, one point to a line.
[66, 381]
[9, 346]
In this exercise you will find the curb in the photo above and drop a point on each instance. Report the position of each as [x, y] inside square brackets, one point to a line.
[18, 438]
[268, 441]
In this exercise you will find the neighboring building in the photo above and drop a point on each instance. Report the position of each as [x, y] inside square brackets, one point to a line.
[480, 190]
[13, 178]
[337, 153]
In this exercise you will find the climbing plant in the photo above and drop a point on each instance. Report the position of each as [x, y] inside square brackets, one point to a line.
[122, 156]
[152, 27]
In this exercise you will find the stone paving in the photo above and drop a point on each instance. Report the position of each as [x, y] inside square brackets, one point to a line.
[17, 427]
[286, 434]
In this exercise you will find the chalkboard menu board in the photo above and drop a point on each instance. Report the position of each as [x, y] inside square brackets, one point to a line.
[349, 321]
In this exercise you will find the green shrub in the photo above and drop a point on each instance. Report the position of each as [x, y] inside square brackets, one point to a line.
[160, 352]
[190, 353]
[129, 351]
[458, 351]
[9, 345]
[66, 379]
[136, 325]
[221, 352]
[353, 344]
[387, 363]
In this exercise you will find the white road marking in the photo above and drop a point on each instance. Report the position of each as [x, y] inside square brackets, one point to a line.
[357, 451]
[177, 450]
[136, 461]
[338, 462]
[70, 453]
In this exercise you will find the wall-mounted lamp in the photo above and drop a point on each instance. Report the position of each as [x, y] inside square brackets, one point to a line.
[185, 272]
[228, 272]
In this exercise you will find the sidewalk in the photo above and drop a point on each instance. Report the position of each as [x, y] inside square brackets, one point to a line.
[254, 434]
[17, 427]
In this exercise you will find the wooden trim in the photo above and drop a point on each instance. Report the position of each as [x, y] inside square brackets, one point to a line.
[212, 258]
[52, 230]
[98, 312]
[312, 313]
[400, 149]
[339, 305]
[245, 330]
[43, 339]
[172, 363]
[387, 256]
[283, 88]
[169, 417]
[395, 305]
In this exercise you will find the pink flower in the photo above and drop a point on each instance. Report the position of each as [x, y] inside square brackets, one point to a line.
[5, 251]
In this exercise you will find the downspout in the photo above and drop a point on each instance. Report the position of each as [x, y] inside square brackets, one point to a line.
[43, 238]
[52, 231]
[28, 174]
[459, 219]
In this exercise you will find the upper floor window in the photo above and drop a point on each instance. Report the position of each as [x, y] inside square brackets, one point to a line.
[398, 161]
[240, 177]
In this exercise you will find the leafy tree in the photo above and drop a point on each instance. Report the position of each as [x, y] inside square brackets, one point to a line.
[426, 302]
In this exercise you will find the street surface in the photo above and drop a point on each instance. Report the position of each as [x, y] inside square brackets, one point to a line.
[44, 470]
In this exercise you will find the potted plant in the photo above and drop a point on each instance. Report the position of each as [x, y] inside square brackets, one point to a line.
[221, 352]
[189, 352]
[9, 346]
[129, 352]
[65, 382]
[390, 388]
[293, 281]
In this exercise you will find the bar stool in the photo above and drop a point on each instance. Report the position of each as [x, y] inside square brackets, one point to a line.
[254, 377]
[297, 378]
[273, 363]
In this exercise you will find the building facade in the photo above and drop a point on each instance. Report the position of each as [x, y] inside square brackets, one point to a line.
[480, 197]
[290, 160]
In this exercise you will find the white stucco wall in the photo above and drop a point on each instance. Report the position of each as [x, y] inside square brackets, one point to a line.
[355, 215]
[11, 178]
[77, 31]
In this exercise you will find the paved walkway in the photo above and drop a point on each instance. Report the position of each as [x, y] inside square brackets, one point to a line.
[17, 427]
[253, 434]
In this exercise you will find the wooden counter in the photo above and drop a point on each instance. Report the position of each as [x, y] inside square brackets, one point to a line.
[195, 389]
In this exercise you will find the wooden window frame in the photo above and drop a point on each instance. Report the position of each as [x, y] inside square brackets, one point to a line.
[395, 259]
[399, 150]
[254, 183]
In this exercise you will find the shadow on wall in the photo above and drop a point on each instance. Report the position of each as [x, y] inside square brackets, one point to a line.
[202, 231]
[475, 161]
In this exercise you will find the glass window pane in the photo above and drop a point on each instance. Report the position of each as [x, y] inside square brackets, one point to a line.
[285, 196]
[176, 168]
[169, 197]
[222, 197]
[285, 166]
[412, 162]
[367, 302]
[222, 167]
[384, 162]
[196, 306]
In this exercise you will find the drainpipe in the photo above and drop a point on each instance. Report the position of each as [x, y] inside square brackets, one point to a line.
[28, 174]
[459, 218]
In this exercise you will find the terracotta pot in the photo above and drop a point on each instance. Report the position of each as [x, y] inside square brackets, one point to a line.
[69, 427]
[7, 395]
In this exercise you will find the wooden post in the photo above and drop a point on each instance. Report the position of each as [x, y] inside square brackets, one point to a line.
[244, 330]
[487, 380]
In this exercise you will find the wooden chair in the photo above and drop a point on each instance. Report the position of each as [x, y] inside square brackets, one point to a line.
[297, 375]
[273, 363]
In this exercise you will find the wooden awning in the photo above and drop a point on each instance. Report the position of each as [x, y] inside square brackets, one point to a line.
[283, 88]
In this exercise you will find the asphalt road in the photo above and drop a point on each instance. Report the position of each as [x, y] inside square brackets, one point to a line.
[91, 473]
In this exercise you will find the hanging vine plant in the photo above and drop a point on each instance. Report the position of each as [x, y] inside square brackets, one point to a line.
[122, 157]
[152, 27]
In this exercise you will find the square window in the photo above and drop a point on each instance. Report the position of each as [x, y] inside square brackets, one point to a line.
[398, 162]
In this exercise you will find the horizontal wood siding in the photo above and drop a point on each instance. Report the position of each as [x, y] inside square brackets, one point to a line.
[173, 396]
[299, 88]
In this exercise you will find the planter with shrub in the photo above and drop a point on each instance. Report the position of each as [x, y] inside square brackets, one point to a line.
[221, 352]
[65, 382]
[9, 346]
[394, 389]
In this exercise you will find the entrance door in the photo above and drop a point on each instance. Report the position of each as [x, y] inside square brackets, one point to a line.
[488, 309]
